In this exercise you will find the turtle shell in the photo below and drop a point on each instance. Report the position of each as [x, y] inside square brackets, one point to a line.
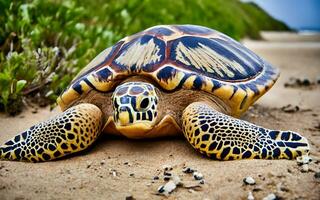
[179, 57]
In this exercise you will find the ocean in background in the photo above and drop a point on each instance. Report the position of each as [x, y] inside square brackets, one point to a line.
[309, 31]
[303, 16]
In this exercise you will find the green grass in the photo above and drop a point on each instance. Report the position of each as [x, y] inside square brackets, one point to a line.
[44, 44]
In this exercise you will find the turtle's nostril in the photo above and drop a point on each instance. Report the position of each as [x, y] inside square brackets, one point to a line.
[123, 109]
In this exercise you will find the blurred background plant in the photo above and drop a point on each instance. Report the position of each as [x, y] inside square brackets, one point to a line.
[44, 44]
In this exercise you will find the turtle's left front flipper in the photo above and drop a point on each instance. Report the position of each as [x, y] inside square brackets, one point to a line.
[225, 138]
[72, 131]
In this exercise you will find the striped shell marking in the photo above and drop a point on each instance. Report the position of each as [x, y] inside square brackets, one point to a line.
[215, 58]
[141, 53]
[179, 56]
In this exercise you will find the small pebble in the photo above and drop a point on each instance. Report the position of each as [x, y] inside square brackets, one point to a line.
[297, 82]
[102, 162]
[167, 173]
[191, 191]
[270, 197]
[250, 196]
[161, 189]
[191, 184]
[89, 163]
[290, 108]
[202, 181]
[257, 188]
[317, 127]
[167, 188]
[317, 175]
[292, 82]
[305, 159]
[305, 168]
[281, 175]
[271, 174]
[176, 179]
[188, 170]
[281, 188]
[167, 167]
[197, 176]
[113, 172]
[127, 163]
[131, 174]
[167, 176]
[156, 178]
[306, 82]
[249, 181]
[129, 197]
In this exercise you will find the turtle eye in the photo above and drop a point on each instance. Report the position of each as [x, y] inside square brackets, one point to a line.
[144, 103]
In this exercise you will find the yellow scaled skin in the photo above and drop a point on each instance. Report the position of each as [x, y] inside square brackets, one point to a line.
[80, 128]
[222, 137]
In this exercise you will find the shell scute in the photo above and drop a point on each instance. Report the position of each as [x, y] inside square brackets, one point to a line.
[99, 61]
[212, 58]
[169, 76]
[160, 31]
[103, 74]
[141, 53]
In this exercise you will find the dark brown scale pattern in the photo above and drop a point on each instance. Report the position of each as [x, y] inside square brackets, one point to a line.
[222, 137]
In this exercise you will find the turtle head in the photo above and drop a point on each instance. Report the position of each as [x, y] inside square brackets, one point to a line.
[135, 108]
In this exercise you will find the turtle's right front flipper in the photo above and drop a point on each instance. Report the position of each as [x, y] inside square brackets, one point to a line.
[72, 131]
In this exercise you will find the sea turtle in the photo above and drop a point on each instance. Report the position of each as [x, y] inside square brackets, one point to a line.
[166, 80]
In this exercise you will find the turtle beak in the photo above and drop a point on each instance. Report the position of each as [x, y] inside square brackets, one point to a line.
[126, 126]
[124, 117]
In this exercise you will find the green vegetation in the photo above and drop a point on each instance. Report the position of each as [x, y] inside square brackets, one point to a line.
[44, 44]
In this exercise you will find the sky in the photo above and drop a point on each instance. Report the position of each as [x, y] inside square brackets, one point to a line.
[298, 14]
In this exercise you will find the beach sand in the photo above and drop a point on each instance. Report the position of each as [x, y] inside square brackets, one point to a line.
[116, 168]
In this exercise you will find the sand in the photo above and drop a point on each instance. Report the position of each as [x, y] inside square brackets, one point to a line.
[116, 168]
